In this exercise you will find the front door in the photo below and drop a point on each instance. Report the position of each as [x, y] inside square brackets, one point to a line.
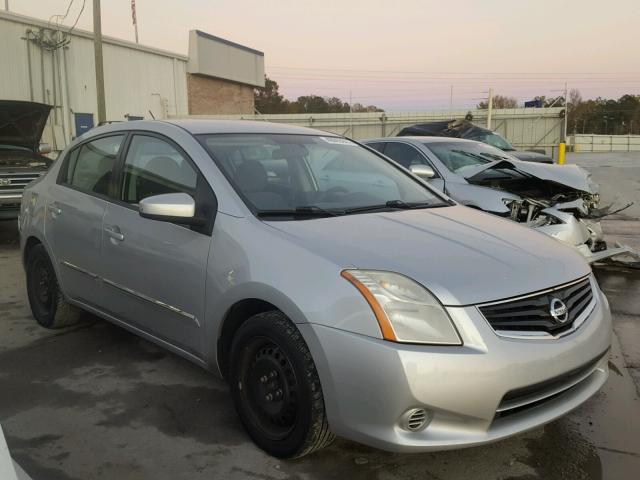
[407, 155]
[154, 273]
[73, 222]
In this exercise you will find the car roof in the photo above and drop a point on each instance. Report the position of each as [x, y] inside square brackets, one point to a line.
[203, 126]
[420, 139]
[207, 126]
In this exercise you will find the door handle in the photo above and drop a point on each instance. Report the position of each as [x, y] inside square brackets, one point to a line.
[114, 233]
[54, 209]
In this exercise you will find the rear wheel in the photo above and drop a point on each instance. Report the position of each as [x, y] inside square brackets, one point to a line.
[48, 305]
[276, 389]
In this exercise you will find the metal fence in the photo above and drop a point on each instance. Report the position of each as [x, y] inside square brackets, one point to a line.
[525, 128]
[605, 143]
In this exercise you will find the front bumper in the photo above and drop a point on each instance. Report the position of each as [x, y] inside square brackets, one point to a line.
[368, 384]
[581, 235]
[10, 205]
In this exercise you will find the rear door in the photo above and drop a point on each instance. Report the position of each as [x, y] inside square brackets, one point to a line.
[73, 222]
[154, 273]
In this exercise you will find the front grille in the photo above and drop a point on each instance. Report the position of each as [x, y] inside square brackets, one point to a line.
[531, 396]
[16, 181]
[533, 313]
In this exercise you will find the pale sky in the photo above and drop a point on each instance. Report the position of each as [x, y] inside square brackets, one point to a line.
[402, 54]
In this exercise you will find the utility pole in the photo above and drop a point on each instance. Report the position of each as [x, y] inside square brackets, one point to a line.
[566, 112]
[451, 99]
[6, 5]
[489, 108]
[97, 48]
[350, 114]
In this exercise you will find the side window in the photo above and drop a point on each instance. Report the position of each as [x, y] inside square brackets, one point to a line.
[90, 167]
[404, 154]
[154, 167]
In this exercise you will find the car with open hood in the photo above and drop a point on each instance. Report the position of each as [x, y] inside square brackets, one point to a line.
[559, 200]
[21, 153]
[336, 292]
[467, 130]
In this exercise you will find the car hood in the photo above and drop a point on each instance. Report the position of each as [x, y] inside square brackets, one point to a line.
[571, 176]
[461, 255]
[530, 156]
[22, 123]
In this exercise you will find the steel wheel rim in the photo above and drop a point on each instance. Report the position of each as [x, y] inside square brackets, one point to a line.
[271, 390]
[42, 286]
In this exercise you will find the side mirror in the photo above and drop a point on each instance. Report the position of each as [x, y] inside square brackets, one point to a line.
[170, 207]
[44, 148]
[422, 171]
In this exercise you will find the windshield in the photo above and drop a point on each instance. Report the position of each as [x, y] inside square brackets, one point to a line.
[457, 156]
[493, 139]
[315, 175]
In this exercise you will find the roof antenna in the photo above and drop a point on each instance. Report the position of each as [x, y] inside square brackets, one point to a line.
[151, 113]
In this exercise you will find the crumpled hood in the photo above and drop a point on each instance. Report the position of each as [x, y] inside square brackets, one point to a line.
[569, 175]
[22, 123]
[461, 255]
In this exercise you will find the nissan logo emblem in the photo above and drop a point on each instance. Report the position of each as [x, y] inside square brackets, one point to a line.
[558, 310]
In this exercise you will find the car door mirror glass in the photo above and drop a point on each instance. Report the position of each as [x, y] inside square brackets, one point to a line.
[169, 207]
[422, 171]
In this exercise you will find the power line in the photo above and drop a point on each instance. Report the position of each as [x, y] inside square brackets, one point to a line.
[60, 18]
[448, 73]
[78, 17]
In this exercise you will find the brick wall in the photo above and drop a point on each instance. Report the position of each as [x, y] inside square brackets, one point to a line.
[210, 96]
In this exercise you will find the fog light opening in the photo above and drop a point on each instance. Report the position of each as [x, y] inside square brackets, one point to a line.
[415, 419]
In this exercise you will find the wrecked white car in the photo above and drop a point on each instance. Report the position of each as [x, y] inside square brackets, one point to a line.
[559, 200]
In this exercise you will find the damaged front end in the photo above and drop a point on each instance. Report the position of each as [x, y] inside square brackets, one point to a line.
[565, 207]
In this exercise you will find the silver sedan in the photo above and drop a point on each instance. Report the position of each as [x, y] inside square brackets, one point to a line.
[337, 293]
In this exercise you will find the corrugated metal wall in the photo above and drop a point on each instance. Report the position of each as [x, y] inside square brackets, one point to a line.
[137, 79]
[525, 128]
[606, 143]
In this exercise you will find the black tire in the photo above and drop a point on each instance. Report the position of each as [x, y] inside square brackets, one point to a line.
[48, 305]
[293, 422]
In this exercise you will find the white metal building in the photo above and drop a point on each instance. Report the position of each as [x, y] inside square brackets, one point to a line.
[56, 67]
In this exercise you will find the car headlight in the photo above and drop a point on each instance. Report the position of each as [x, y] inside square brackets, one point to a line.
[406, 311]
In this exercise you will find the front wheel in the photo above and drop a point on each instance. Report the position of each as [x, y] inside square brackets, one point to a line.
[276, 389]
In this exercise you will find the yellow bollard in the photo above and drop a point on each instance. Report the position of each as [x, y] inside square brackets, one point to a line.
[561, 149]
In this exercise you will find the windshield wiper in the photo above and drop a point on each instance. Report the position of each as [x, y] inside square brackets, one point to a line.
[473, 155]
[408, 206]
[304, 211]
[396, 205]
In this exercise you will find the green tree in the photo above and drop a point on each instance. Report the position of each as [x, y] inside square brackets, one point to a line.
[499, 101]
[604, 116]
[269, 100]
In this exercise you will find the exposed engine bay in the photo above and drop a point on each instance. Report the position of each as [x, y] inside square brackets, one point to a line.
[564, 208]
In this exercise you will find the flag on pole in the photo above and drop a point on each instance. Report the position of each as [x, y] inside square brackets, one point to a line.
[134, 18]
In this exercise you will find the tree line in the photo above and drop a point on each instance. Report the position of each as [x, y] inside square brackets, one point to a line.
[605, 116]
[597, 116]
[270, 100]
